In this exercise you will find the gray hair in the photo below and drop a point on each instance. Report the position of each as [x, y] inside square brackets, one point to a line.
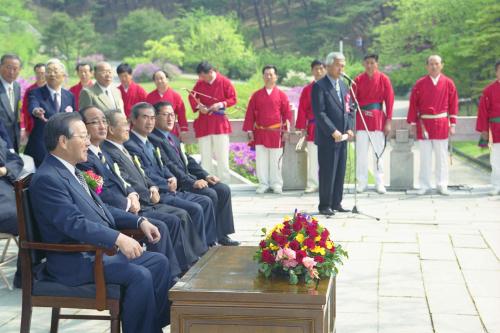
[332, 56]
[55, 61]
[111, 116]
[134, 112]
[435, 56]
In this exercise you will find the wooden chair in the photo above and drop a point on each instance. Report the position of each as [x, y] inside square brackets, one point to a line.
[4, 260]
[98, 296]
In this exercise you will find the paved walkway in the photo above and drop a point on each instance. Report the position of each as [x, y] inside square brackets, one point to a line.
[431, 264]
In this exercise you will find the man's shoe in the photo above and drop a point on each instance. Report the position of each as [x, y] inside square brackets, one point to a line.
[494, 191]
[277, 190]
[443, 191]
[226, 241]
[311, 190]
[423, 191]
[327, 212]
[341, 210]
[381, 189]
[261, 189]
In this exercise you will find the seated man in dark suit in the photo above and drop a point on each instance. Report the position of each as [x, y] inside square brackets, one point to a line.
[68, 212]
[117, 193]
[118, 133]
[43, 103]
[190, 175]
[11, 166]
[4, 135]
[142, 117]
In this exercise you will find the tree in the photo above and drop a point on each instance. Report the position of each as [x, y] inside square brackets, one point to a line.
[138, 27]
[68, 38]
[164, 50]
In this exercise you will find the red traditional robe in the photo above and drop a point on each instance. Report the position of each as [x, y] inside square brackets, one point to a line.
[305, 115]
[175, 99]
[427, 99]
[489, 108]
[75, 90]
[134, 94]
[220, 90]
[266, 115]
[26, 119]
[371, 91]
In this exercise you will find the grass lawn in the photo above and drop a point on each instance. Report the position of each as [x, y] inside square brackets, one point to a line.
[470, 148]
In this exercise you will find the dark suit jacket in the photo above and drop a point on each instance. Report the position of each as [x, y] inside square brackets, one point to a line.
[41, 98]
[65, 213]
[4, 135]
[11, 119]
[114, 191]
[140, 183]
[330, 113]
[186, 174]
[14, 166]
[154, 168]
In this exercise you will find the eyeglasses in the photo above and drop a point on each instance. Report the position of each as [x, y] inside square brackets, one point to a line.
[169, 114]
[97, 122]
[85, 137]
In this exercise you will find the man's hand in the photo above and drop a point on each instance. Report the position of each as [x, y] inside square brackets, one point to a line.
[203, 109]
[129, 246]
[172, 184]
[212, 180]
[216, 106]
[452, 130]
[387, 127]
[350, 134]
[485, 135]
[151, 231]
[3, 171]
[337, 136]
[199, 184]
[155, 195]
[250, 136]
[40, 114]
[135, 205]
[413, 130]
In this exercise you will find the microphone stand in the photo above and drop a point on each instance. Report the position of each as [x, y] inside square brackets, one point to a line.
[357, 110]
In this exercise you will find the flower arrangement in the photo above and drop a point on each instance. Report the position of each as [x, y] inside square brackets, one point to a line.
[94, 181]
[299, 247]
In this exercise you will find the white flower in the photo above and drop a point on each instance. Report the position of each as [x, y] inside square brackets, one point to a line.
[69, 108]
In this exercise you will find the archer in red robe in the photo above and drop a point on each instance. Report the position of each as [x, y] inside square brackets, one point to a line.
[26, 119]
[85, 72]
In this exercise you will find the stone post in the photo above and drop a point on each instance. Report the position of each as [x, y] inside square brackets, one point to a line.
[401, 161]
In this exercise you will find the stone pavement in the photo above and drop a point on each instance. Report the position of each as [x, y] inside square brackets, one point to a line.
[431, 264]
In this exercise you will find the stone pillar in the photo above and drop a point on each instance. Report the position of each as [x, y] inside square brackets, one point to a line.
[401, 161]
[294, 165]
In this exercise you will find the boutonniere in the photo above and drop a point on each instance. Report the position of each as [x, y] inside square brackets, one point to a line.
[158, 155]
[138, 164]
[69, 108]
[347, 100]
[94, 181]
[116, 170]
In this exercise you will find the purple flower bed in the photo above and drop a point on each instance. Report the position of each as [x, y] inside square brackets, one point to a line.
[144, 72]
[92, 58]
[294, 95]
[242, 160]
[25, 83]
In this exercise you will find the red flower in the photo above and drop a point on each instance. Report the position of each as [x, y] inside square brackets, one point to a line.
[294, 245]
[319, 259]
[332, 250]
[309, 242]
[263, 244]
[299, 255]
[325, 234]
[286, 232]
[322, 243]
[268, 257]
[312, 231]
[297, 226]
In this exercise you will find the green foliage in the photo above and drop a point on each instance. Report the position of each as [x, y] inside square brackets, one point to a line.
[164, 50]
[285, 62]
[217, 40]
[419, 28]
[136, 28]
[17, 35]
[68, 38]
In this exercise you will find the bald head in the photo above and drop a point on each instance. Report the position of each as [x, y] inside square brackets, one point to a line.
[103, 73]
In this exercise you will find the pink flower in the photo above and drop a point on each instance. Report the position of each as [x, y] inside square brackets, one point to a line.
[289, 263]
[308, 263]
[69, 108]
[286, 253]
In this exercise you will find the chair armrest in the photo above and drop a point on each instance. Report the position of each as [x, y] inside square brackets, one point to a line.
[136, 234]
[65, 247]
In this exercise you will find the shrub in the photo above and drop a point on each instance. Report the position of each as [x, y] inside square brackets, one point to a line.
[144, 72]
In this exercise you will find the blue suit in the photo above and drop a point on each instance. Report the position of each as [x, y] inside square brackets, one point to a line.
[10, 118]
[66, 213]
[199, 207]
[41, 98]
[14, 165]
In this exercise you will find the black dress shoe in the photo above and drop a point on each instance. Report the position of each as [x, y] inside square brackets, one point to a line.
[342, 210]
[226, 241]
[327, 212]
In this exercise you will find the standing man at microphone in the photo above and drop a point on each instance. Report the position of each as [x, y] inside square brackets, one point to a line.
[433, 111]
[373, 89]
[334, 124]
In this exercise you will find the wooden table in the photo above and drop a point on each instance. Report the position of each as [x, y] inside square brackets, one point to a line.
[225, 293]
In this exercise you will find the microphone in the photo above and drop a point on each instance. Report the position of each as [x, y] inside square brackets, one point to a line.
[351, 81]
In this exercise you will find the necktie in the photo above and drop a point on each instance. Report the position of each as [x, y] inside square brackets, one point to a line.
[82, 181]
[150, 151]
[57, 101]
[110, 97]
[125, 152]
[11, 99]
[172, 143]
[102, 159]
[337, 88]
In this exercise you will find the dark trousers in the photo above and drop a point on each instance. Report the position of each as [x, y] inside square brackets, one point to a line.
[8, 219]
[220, 194]
[332, 160]
[201, 210]
[146, 281]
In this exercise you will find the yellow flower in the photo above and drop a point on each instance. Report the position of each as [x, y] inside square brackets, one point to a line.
[299, 238]
[287, 218]
[273, 247]
[317, 238]
[329, 245]
[279, 227]
[318, 249]
[303, 248]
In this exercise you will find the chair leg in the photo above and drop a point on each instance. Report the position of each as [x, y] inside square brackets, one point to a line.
[26, 317]
[5, 280]
[54, 323]
[5, 248]
[114, 312]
